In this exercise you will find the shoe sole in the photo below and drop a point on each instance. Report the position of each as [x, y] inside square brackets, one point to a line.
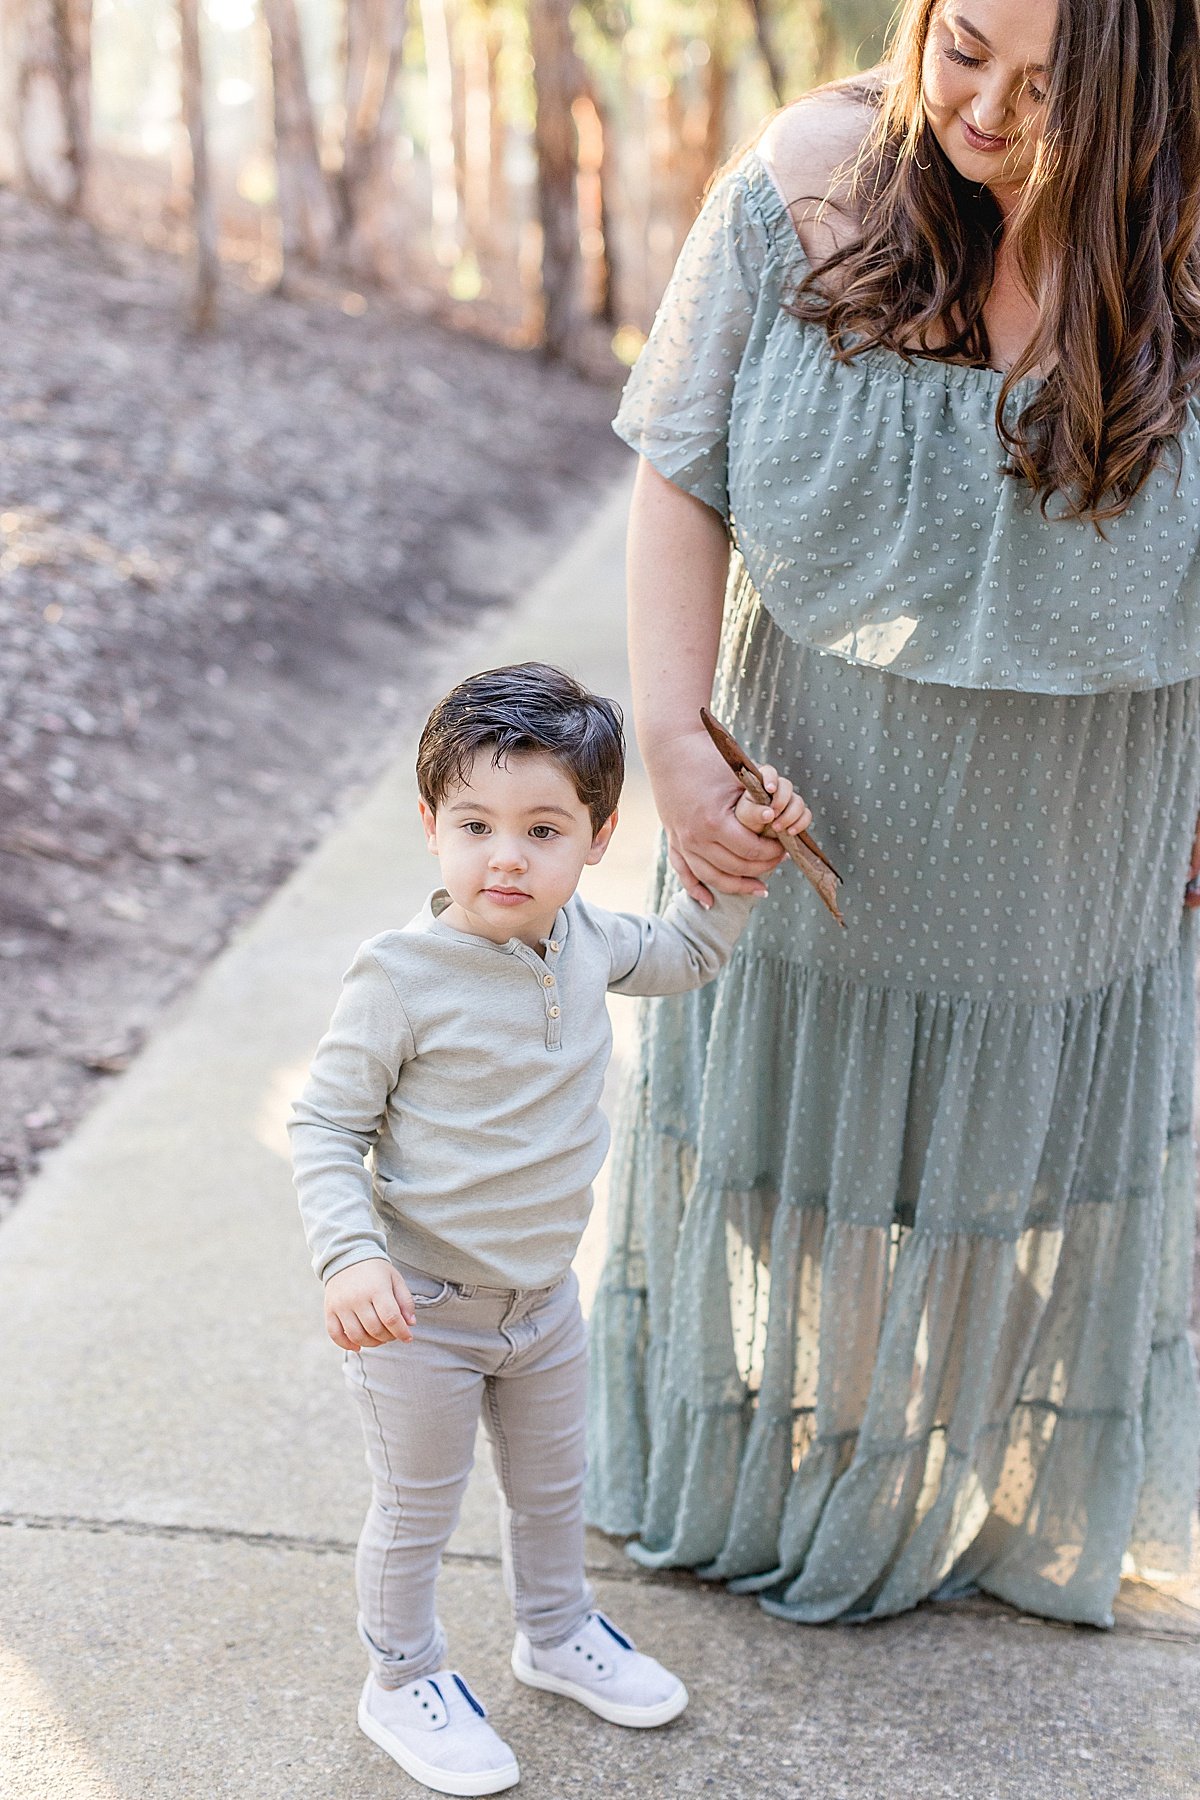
[638, 1718]
[443, 1781]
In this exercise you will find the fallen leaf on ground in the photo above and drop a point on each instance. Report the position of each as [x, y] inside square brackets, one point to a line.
[113, 1059]
[167, 850]
[27, 841]
[124, 906]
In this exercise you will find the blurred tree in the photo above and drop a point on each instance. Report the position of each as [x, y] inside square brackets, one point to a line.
[204, 233]
[372, 57]
[500, 198]
[561, 146]
[440, 134]
[715, 95]
[52, 49]
[598, 126]
[852, 34]
[306, 215]
[594, 183]
[558, 84]
[485, 199]
[764, 32]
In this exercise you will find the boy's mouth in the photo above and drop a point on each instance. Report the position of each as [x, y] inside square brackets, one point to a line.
[506, 896]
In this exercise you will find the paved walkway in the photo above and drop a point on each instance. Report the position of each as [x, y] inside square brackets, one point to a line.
[181, 1481]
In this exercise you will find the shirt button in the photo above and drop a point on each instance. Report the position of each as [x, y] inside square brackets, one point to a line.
[554, 1011]
[548, 980]
[555, 945]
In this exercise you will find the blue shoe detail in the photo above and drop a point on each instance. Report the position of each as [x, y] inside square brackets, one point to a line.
[468, 1696]
[612, 1631]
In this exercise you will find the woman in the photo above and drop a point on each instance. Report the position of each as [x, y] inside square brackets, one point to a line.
[896, 1295]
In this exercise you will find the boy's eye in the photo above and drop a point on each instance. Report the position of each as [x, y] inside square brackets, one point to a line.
[543, 832]
[475, 828]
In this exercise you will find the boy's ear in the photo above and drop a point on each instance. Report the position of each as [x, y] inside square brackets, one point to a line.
[601, 840]
[429, 821]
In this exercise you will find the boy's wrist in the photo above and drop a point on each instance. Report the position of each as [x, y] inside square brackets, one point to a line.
[349, 1259]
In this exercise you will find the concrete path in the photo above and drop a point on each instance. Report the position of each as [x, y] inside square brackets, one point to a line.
[181, 1480]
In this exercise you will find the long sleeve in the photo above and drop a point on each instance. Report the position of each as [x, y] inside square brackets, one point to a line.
[336, 1120]
[677, 950]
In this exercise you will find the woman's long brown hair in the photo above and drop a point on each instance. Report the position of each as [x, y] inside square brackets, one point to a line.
[1105, 235]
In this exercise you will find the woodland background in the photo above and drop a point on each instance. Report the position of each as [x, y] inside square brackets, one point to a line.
[315, 315]
[528, 165]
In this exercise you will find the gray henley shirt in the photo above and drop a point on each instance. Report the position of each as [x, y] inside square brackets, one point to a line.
[470, 1074]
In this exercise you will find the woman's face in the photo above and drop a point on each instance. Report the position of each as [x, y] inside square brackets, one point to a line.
[984, 80]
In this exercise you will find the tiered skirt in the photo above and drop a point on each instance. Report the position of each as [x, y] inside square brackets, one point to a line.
[901, 1228]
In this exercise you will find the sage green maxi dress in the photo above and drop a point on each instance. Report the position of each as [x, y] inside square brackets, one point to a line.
[897, 1283]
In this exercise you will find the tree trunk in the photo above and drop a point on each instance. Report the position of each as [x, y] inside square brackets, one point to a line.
[191, 67]
[373, 49]
[827, 44]
[500, 200]
[556, 77]
[306, 222]
[716, 91]
[53, 99]
[596, 188]
[439, 72]
[638, 192]
[683, 171]
[609, 208]
[764, 32]
[458, 107]
[477, 146]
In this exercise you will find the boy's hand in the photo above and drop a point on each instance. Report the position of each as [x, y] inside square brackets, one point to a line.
[788, 810]
[368, 1303]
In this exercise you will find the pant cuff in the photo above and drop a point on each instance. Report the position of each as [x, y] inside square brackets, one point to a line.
[548, 1634]
[396, 1668]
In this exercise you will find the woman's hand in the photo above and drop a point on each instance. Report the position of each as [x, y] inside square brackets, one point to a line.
[368, 1303]
[1191, 893]
[709, 847]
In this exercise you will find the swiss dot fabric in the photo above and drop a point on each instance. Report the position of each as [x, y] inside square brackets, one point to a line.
[901, 1232]
[867, 498]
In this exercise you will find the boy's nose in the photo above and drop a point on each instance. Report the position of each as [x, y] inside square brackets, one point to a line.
[507, 856]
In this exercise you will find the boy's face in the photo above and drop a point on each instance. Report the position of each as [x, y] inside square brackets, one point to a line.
[512, 842]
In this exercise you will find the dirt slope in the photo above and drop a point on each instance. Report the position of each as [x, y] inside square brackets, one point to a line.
[222, 568]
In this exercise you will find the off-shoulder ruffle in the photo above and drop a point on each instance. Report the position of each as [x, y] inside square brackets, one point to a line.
[868, 498]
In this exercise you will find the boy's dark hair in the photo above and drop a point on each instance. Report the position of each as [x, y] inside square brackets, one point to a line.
[524, 707]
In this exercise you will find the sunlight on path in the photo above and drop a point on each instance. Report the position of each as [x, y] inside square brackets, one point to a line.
[41, 1756]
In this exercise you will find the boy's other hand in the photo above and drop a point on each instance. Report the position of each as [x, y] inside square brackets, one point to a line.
[788, 810]
[368, 1303]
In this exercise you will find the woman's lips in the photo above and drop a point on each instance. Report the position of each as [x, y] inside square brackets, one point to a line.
[979, 140]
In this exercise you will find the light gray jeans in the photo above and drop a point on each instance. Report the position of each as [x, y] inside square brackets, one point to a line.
[521, 1357]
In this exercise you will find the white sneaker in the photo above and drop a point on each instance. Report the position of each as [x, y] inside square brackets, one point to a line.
[438, 1732]
[601, 1668]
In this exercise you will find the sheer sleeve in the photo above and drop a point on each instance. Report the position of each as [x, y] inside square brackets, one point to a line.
[676, 404]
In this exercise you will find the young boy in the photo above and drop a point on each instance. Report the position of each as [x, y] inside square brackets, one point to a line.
[466, 1056]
